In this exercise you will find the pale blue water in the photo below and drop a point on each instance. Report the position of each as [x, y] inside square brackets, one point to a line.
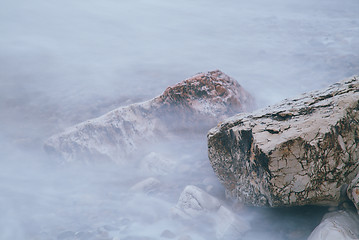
[62, 62]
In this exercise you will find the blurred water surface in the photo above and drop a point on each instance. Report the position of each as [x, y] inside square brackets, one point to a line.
[62, 62]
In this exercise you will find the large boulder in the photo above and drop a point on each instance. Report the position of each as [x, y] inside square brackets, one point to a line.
[301, 151]
[193, 105]
[340, 225]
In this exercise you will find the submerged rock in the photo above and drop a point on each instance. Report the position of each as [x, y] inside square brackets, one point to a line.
[228, 226]
[195, 202]
[193, 105]
[301, 151]
[341, 225]
[157, 164]
[148, 186]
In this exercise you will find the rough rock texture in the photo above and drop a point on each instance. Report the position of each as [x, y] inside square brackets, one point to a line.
[301, 151]
[353, 192]
[339, 225]
[195, 202]
[195, 104]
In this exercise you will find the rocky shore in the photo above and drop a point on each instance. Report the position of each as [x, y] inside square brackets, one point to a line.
[275, 163]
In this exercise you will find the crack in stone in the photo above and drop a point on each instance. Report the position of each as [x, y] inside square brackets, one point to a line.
[301, 152]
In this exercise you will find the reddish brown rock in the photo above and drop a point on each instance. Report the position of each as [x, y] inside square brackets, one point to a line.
[193, 105]
[215, 87]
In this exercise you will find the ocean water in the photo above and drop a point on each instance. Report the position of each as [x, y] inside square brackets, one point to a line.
[64, 62]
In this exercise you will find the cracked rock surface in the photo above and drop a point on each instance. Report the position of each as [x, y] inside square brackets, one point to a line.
[299, 152]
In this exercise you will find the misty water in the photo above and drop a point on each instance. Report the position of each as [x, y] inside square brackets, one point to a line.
[63, 62]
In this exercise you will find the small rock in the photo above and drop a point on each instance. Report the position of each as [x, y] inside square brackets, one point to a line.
[194, 202]
[340, 225]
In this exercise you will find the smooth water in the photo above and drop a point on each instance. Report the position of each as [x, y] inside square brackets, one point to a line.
[63, 62]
